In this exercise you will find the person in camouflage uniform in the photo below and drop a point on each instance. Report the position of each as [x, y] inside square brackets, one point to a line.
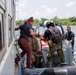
[53, 45]
[36, 47]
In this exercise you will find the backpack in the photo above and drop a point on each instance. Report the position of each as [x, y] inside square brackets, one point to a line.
[55, 35]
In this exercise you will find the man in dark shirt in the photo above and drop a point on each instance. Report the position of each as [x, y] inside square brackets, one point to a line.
[53, 36]
[69, 36]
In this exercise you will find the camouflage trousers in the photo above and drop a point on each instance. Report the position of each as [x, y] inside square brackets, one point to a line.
[52, 48]
[36, 58]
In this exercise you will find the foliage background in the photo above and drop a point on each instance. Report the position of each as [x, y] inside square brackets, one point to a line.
[64, 21]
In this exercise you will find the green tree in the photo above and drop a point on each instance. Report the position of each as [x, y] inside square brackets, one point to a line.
[72, 19]
[36, 22]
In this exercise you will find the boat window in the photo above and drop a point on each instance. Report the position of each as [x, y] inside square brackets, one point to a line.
[10, 30]
[0, 34]
[2, 50]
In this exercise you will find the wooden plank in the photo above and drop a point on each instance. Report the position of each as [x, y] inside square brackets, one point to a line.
[16, 69]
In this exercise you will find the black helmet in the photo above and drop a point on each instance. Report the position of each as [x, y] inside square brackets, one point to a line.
[48, 24]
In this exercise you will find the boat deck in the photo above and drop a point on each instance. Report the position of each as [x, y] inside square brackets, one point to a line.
[16, 69]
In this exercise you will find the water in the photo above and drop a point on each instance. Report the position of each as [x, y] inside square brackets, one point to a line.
[41, 31]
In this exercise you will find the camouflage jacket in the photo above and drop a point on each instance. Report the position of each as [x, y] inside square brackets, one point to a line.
[35, 44]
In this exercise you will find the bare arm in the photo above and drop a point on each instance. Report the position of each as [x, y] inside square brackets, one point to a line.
[17, 28]
[38, 35]
[32, 33]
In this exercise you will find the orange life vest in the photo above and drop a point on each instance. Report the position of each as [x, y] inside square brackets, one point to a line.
[43, 43]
